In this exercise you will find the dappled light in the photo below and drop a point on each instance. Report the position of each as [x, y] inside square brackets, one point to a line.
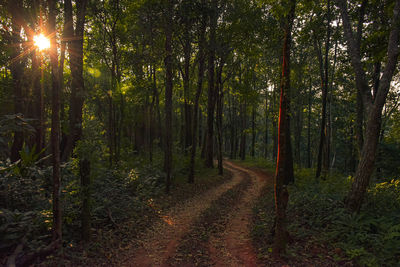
[199, 133]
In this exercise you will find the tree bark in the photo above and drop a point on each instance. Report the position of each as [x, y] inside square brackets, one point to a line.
[198, 92]
[55, 125]
[220, 95]
[266, 125]
[253, 132]
[168, 94]
[284, 166]
[211, 86]
[84, 168]
[324, 80]
[17, 68]
[75, 52]
[373, 109]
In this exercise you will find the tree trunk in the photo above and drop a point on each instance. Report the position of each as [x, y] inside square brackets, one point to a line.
[17, 68]
[168, 95]
[309, 127]
[211, 86]
[274, 128]
[198, 93]
[75, 51]
[324, 81]
[84, 168]
[284, 166]
[220, 95]
[55, 125]
[243, 115]
[372, 109]
[266, 125]
[253, 132]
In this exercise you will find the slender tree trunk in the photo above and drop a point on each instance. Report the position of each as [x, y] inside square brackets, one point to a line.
[266, 125]
[274, 128]
[309, 127]
[253, 132]
[187, 48]
[38, 102]
[211, 86]
[220, 95]
[284, 166]
[75, 51]
[168, 95]
[55, 125]
[198, 93]
[84, 167]
[324, 80]
[242, 149]
[15, 9]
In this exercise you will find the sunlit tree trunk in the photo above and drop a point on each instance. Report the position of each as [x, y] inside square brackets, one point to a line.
[284, 165]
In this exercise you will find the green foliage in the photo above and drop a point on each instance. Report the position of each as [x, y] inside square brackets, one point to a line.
[370, 238]
[10, 124]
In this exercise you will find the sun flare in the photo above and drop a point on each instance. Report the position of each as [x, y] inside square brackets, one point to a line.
[41, 41]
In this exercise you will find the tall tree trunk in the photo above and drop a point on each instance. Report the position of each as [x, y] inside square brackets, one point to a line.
[253, 132]
[187, 50]
[372, 109]
[309, 127]
[15, 9]
[220, 95]
[242, 147]
[168, 94]
[38, 102]
[274, 128]
[84, 169]
[55, 125]
[211, 86]
[284, 166]
[198, 92]
[266, 125]
[75, 51]
[324, 80]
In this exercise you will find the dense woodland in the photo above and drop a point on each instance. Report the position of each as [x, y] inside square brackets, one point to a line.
[113, 112]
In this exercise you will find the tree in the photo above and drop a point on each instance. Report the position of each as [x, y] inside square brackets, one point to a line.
[17, 68]
[372, 106]
[168, 93]
[284, 164]
[74, 37]
[55, 124]
[201, 56]
[213, 17]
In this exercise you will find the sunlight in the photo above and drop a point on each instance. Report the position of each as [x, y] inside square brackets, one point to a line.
[41, 41]
[168, 220]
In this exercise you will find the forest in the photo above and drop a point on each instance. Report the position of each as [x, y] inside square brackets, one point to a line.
[199, 133]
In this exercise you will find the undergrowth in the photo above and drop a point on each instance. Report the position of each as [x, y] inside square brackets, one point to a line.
[324, 232]
[124, 201]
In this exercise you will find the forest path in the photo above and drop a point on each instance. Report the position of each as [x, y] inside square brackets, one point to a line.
[233, 247]
[161, 240]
